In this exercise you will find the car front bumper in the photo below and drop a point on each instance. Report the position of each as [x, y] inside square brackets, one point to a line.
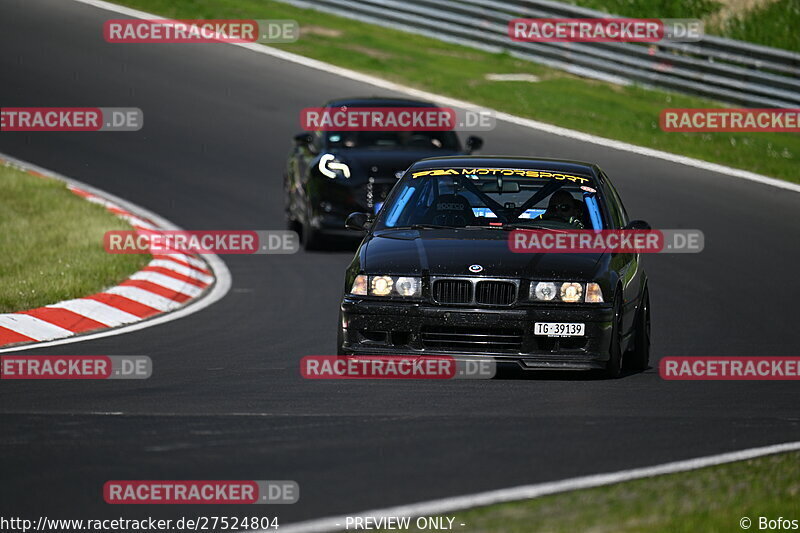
[507, 335]
[332, 202]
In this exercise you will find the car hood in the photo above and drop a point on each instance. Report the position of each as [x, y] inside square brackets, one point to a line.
[384, 163]
[453, 251]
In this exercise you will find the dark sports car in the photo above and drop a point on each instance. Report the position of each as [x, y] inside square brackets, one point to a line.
[435, 273]
[330, 174]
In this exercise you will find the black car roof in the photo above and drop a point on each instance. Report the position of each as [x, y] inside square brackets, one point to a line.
[534, 163]
[377, 101]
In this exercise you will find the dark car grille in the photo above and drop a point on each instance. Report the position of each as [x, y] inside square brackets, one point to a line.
[452, 291]
[467, 339]
[373, 192]
[496, 293]
[472, 291]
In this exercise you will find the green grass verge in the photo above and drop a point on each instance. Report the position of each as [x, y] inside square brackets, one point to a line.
[710, 500]
[626, 113]
[772, 24]
[670, 9]
[769, 23]
[51, 242]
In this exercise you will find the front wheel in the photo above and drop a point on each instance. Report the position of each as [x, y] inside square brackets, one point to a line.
[311, 237]
[639, 357]
[614, 365]
[291, 224]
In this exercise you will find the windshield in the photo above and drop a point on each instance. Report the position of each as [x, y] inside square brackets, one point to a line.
[397, 140]
[492, 198]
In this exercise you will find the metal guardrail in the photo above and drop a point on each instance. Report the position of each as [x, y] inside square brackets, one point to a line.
[720, 69]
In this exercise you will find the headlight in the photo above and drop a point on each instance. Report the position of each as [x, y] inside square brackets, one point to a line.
[381, 286]
[571, 292]
[544, 290]
[403, 286]
[407, 286]
[566, 291]
[329, 166]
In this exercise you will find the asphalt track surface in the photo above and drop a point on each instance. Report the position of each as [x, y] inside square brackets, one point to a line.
[226, 400]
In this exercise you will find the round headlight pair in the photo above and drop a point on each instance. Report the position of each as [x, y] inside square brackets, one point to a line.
[567, 291]
[406, 286]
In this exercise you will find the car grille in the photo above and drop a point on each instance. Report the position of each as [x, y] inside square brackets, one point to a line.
[474, 291]
[374, 191]
[452, 291]
[496, 293]
[467, 339]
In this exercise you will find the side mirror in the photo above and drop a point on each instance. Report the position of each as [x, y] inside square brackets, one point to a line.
[304, 139]
[473, 143]
[358, 221]
[638, 224]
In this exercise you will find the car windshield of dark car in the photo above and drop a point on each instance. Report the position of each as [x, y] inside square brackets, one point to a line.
[394, 140]
[523, 200]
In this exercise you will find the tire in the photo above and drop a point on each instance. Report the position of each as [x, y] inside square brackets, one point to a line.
[293, 225]
[614, 365]
[311, 238]
[340, 338]
[638, 359]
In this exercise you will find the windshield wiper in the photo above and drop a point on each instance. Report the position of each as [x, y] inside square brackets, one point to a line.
[479, 226]
[438, 226]
[435, 226]
[429, 226]
[523, 225]
[420, 226]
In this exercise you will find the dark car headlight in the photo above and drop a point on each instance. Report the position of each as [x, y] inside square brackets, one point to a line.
[566, 291]
[387, 286]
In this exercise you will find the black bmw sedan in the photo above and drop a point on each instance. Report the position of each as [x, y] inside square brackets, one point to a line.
[435, 273]
[330, 174]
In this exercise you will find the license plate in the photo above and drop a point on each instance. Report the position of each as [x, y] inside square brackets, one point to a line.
[559, 329]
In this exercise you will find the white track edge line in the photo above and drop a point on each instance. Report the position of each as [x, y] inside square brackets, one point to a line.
[525, 492]
[444, 100]
[218, 267]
